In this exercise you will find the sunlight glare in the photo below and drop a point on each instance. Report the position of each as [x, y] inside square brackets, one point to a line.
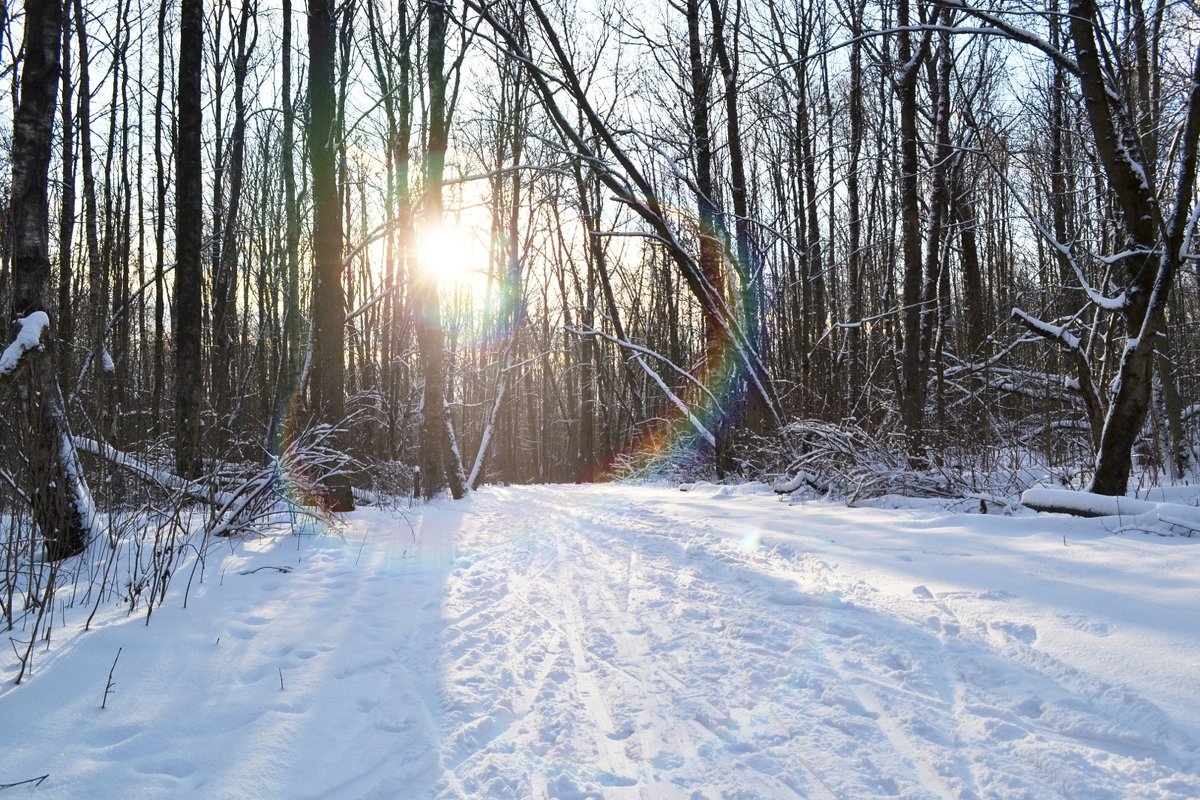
[749, 542]
[453, 253]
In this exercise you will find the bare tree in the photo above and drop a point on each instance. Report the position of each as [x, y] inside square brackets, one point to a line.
[189, 368]
[225, 277]
[61, 504]
[1155, 236]
[329, 303]
[440, 461]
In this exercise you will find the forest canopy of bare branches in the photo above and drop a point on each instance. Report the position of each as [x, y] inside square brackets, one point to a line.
[539, 240]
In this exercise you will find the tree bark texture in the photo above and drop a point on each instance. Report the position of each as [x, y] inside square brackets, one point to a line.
[1150, 266]
[441, 464]
[61, 505]
[329, 303]
[189, 368]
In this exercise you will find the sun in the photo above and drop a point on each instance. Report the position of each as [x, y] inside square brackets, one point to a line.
[455, 253]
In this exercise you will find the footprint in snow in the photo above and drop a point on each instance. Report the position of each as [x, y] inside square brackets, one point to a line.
[1026, 634]
[1082, 623]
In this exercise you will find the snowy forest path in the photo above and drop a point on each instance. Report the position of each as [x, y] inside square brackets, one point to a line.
[670, 652]
[618, 642]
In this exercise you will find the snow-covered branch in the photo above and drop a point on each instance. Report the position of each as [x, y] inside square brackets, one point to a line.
[148, 472]
[1134, 514]
[1064, 249]
[29, 337]
[677, 402]
[1058, 333]
[1017, 34]
[586, 331]
[1092, 401]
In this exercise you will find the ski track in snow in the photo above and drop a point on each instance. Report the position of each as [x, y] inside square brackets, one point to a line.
[611, 642]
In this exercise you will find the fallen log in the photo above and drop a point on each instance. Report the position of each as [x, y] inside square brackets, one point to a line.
[1134, 514]
[1085, 504]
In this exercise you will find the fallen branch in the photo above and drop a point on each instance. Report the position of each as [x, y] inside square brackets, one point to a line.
[801, 478]
[284, 570]
[1191, 527]
[147, 472]
[1093, 402]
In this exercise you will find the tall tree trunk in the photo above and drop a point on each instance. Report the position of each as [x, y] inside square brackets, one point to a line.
[111, 265]
[854, 259]
[939, 202]
[1059, 138]
[1148, 268]
[292, 231]
[66, 219]
[816, 308]
[225, 279]
[975, 334]
[96, 272]
[329, 303]
[119, 235]
[441, 463]
[589, 365]
[62, 508]
[912, 368]
[708, 226]
[160, 222]
[291, 361]
[746, 261]
[188, 312]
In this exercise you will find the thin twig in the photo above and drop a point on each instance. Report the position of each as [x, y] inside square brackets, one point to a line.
[284, 570]
[35, 781]
[108, 687]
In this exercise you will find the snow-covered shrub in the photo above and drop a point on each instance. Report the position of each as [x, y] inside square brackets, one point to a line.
[292, 482]
[391, 480]
[844, 461]
[678, 460]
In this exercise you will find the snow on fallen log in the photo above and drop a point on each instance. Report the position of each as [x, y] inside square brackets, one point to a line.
[1134, 514]
[1084, 504]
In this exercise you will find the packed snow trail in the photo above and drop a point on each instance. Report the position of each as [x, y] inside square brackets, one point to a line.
[628, 642]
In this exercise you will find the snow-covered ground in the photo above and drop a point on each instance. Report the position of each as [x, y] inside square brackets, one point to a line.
[620, 642]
